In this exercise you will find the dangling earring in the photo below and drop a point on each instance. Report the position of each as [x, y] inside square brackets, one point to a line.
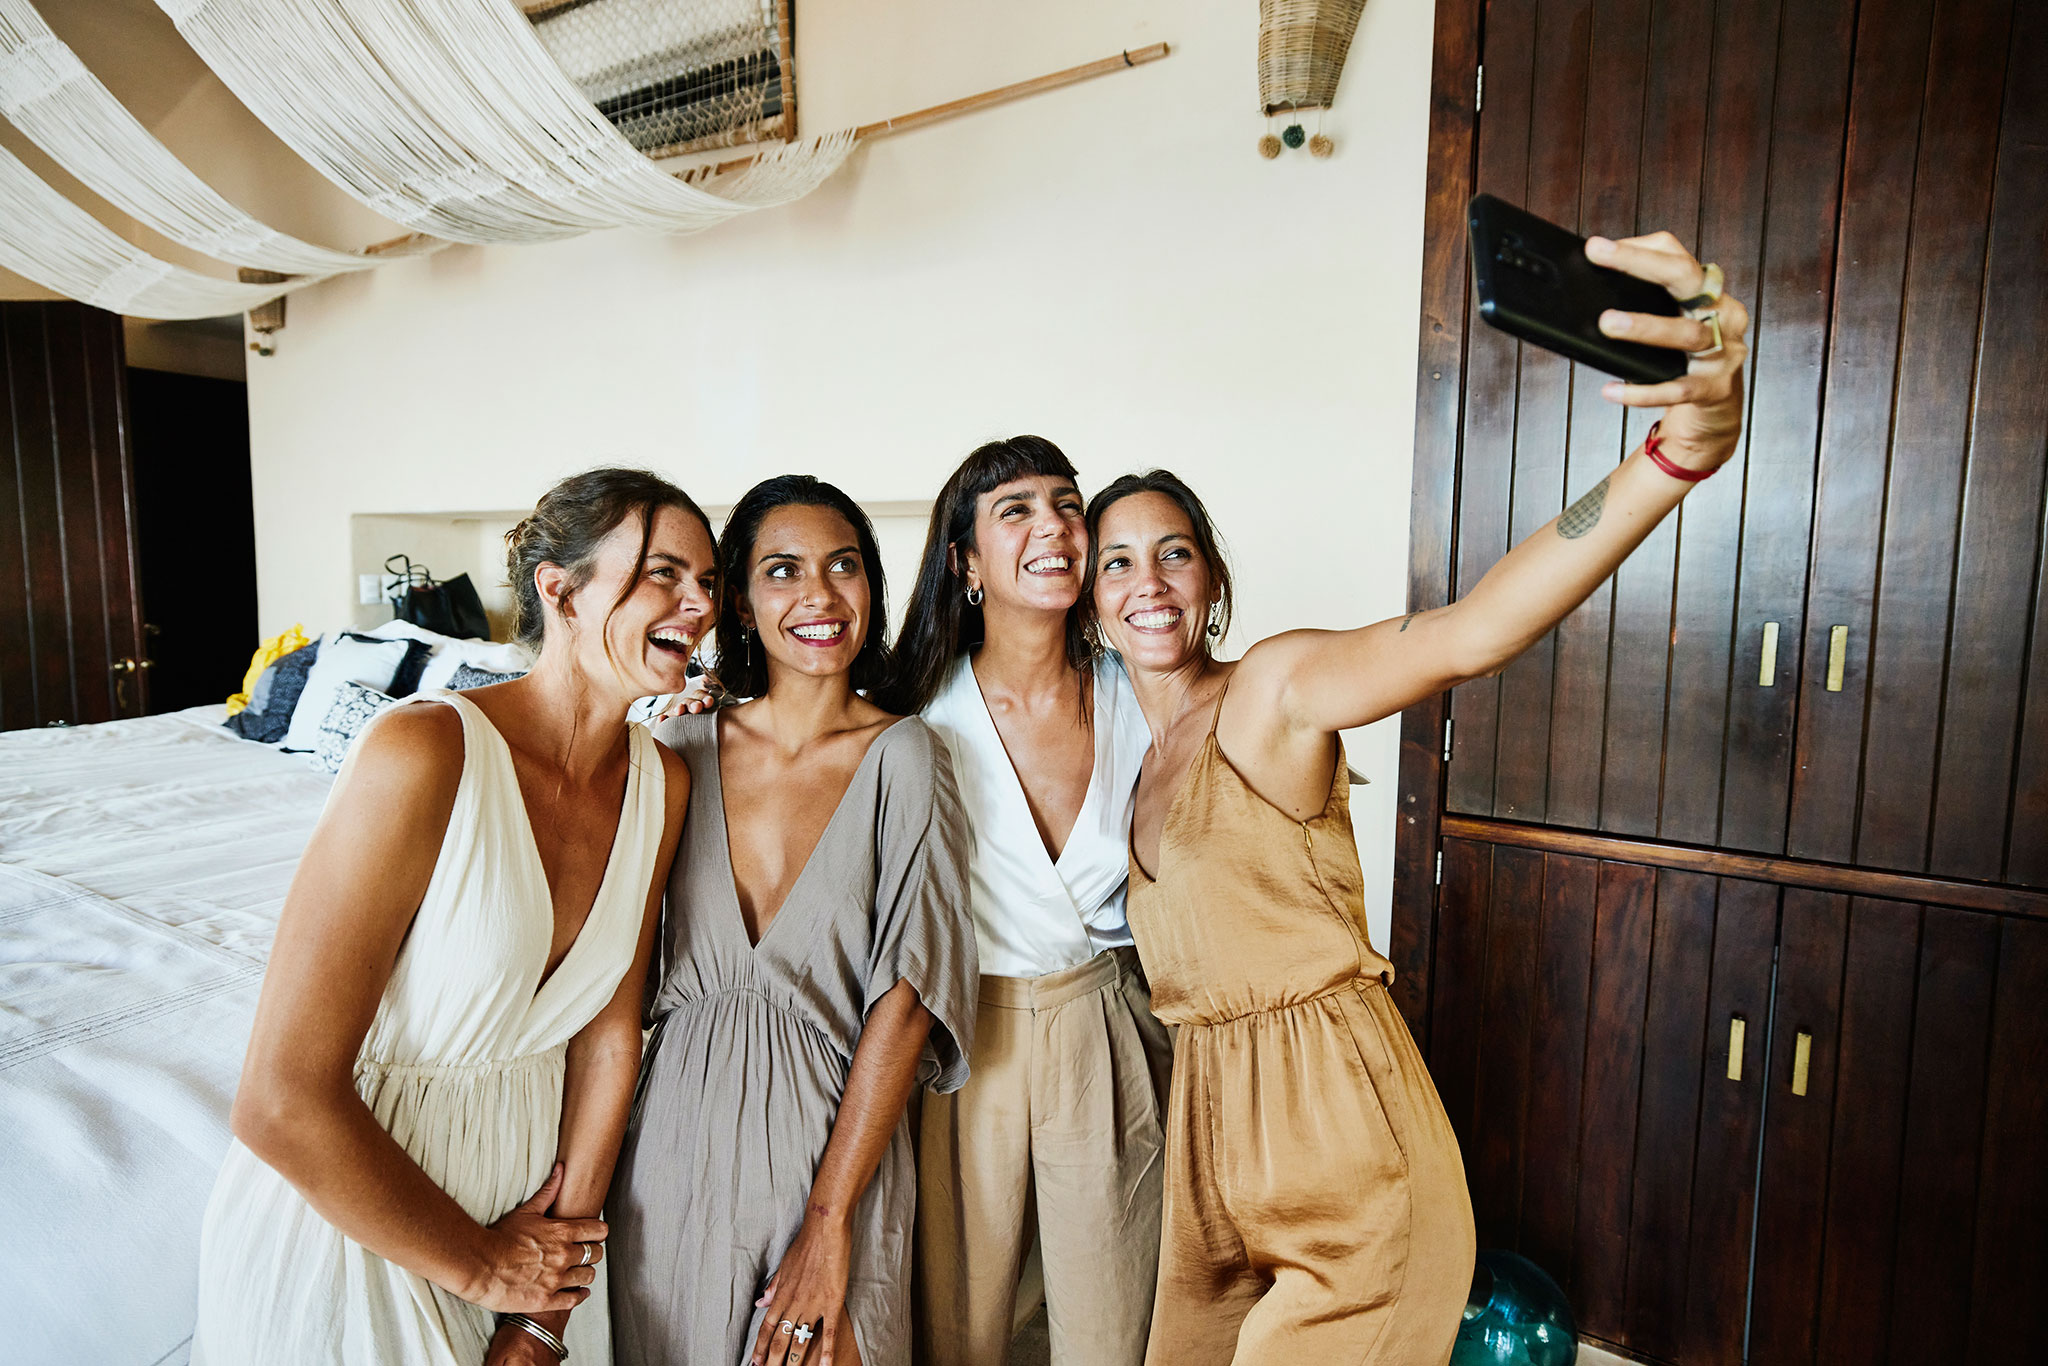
[974, 596]
[747, 647]
[1215, 626]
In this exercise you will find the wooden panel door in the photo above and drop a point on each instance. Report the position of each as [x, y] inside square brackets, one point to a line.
[1603, 116]
[70, 622]
[1582, 1046]
[1923, 734]
[1902, 1213]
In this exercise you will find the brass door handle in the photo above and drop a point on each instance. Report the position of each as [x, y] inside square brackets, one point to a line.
[1738, 1030]
[1802, 1061]
[1838, 656]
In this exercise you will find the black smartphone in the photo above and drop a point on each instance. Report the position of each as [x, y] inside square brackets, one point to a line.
[1533, 281]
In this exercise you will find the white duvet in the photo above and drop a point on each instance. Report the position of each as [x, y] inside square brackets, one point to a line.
[142, 865]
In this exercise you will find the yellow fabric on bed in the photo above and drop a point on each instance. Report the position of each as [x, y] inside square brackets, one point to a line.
[267, 654]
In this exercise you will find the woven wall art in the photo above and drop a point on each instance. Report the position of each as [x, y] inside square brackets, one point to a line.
[1302, 47]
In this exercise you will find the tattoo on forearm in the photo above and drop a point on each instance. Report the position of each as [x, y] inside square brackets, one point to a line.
[1405, 620]
[1582, 516]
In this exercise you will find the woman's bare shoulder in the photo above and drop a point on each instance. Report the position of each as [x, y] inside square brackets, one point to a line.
[414, 751]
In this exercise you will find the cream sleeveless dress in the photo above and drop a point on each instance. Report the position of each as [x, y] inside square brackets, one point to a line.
[463, 1064]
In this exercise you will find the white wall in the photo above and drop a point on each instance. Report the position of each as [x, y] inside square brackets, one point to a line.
[1111, 265]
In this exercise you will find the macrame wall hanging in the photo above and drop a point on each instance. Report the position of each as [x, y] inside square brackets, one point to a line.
[1302, 46]
[464, 120]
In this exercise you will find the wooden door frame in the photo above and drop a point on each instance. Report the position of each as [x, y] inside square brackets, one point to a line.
[1439, 411]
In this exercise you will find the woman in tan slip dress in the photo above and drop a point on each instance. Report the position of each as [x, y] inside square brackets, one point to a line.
[1315, 1206]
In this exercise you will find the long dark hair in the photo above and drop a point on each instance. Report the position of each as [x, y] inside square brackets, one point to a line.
[744, 671]
[1206, 540]
[941, 624]
[566, 527]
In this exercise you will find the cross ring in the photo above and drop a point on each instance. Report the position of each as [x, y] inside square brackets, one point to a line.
[804, 1333]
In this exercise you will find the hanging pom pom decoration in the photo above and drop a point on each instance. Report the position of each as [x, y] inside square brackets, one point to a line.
[1269, 147]
[1302, 47]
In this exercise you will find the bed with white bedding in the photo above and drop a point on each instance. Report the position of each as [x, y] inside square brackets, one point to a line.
[142, 866]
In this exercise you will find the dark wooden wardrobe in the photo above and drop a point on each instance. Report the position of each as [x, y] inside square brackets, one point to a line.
[1722, 915]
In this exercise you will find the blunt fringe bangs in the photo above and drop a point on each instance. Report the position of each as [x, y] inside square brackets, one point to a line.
[941, 624]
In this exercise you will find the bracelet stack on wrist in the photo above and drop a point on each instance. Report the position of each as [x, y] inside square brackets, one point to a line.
[548, 1340]
[1652, 447]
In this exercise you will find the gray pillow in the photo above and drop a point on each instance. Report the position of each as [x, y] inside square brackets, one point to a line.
[269, 713]
[466, 677]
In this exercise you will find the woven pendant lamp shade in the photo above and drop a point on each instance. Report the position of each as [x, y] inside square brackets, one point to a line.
[1302, 46]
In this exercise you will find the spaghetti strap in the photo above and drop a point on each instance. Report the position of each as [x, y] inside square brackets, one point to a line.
[1217, 715]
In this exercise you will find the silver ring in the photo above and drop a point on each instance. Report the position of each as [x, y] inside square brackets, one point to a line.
[1712, 319]
[785, 1328]
[804, 1333]
[586, 1256]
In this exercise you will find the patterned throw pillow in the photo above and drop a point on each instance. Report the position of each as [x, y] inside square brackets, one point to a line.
[346, 716]
[279, 686]
[466, 677]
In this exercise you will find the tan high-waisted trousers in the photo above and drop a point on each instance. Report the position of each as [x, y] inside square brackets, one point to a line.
[1062, 1111]
[1316, 1212]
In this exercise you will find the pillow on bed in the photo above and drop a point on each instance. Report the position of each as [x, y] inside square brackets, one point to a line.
[480, 655]
[344, 658]
[350, 712]
[466, 677]
[269, 713]
[406, 681]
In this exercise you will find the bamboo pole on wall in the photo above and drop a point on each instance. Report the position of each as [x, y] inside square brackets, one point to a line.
[917, 118]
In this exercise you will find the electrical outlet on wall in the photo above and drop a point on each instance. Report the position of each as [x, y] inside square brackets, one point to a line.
[375, 588]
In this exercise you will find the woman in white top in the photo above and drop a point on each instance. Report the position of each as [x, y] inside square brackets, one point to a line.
[1057, 1133]
[449, 1032]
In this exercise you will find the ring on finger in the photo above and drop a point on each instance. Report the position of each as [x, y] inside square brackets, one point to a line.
[785, 1328]
[804, 1334]
[1712, 319]
[1709, 292]
[586, 1256]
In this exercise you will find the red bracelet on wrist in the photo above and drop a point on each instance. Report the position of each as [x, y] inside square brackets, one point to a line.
[1652, 444]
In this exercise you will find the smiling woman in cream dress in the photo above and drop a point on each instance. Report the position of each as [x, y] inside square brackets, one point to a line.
[448, 1035]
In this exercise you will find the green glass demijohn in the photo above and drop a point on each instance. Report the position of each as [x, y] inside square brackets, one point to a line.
[1515, 1316]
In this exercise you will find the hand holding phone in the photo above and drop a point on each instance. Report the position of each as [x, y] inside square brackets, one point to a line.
[1614, 305]
[1533, 281]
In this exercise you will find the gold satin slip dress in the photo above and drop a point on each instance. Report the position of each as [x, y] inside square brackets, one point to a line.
[1315, 1204]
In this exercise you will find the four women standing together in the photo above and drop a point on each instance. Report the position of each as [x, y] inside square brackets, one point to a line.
[863, 901]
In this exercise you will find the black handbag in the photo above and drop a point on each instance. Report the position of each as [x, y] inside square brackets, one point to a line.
[448, 607]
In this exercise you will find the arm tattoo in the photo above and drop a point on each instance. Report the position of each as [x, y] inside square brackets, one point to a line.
[1405, 620]
[1582, 516]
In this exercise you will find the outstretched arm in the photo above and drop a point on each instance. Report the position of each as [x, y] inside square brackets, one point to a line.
[351, 903]
[809, 1287]
[1325, 681]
